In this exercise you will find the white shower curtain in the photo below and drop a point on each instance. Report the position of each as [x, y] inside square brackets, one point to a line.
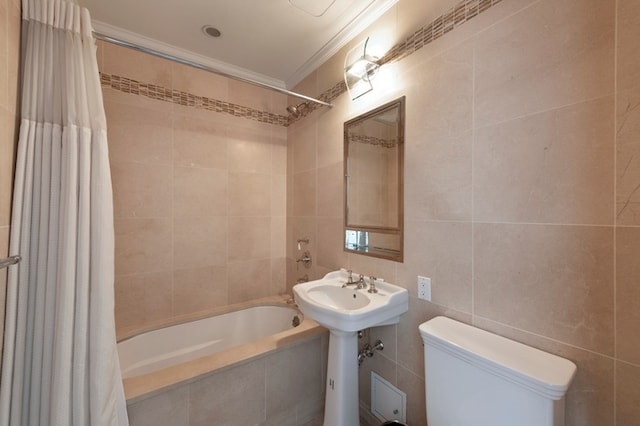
[60, 365]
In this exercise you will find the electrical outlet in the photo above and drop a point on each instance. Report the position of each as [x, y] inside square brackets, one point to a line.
[424, 288]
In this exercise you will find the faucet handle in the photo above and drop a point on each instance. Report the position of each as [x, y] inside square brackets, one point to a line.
[372, 285]
[361, 282]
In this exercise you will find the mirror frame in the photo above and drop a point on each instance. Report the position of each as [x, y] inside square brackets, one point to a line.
[391, 254]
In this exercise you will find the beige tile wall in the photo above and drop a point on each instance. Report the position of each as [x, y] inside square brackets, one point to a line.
[9, 125]
[627, 296]
[521, 190]
[199, 195]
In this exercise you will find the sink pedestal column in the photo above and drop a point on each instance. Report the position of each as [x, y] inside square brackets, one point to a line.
[341, 400]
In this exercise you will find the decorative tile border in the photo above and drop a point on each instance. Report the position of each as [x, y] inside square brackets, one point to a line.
[453, 18]
[177, 97]
[372, 140]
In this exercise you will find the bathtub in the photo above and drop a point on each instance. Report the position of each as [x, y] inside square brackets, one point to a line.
[158, 349]
[177, 354]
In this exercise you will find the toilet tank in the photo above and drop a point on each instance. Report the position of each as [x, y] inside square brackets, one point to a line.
[476, 378]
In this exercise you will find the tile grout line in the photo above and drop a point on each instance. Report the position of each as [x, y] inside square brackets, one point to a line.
[548, 110]
[615, 218]
[473, 212]
[486, 222]
[555, 341]
[173, 216]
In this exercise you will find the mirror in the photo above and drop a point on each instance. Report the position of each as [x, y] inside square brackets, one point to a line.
[374, 170]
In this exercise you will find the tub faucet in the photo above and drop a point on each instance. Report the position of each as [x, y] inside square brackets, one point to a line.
[305, 259]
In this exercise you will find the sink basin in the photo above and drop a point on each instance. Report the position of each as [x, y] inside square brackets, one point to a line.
[348, 309]
[336, 297]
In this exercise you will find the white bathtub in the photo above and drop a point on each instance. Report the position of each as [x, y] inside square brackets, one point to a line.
[178, 344]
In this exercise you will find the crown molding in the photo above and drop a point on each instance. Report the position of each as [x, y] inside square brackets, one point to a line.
[223, 67]
[355, 27]
[376, 9]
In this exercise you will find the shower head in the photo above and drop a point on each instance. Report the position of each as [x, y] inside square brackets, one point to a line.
[296, 110]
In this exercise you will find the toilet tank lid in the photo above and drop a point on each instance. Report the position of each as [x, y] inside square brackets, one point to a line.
[542, 372]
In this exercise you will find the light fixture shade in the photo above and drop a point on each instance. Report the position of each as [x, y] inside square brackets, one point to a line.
[359, 69]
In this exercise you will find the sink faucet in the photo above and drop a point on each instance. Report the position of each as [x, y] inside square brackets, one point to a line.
[349, 279]
[360, 284]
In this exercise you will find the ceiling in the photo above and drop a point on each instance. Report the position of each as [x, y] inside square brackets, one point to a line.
[274, 42]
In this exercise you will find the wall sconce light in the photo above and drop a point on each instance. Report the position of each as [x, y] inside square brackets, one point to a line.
[359, 69]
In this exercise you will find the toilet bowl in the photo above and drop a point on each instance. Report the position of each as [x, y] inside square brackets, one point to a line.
[476, 378]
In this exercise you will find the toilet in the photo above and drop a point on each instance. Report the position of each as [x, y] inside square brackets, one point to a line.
[476, 378]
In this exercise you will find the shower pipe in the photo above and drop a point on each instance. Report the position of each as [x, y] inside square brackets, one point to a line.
[11, 260]
[159, 54]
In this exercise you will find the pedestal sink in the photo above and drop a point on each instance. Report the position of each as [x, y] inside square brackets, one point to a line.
[345, 311]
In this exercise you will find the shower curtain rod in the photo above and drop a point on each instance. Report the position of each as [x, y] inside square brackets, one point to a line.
[11, 260]
[153, 52]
